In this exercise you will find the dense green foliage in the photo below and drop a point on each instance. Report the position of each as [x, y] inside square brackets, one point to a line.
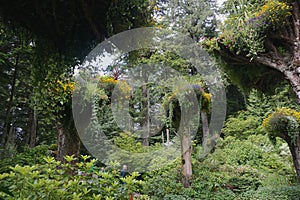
[244, 165]
[259, 106]
[27, 157]
[253, 158]
[232, 171]
[238, 169]
[53, 180]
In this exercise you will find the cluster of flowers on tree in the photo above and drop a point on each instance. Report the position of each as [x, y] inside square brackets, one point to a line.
[245, 31]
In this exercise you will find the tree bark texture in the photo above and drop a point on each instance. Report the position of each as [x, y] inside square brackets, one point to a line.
[186, 157]
[33, 129]
[68, 143]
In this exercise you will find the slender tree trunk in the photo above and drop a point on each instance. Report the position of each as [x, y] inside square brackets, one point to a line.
[186, 153]
[205, 130]
[145, 116]
[31, 126]
[11, 136]
[295, 151]
[28, 132]
[168, 136]
[33, 129]
[294, 147]
[11, 144]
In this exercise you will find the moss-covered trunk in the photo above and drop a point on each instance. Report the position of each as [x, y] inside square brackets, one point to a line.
[68, 140]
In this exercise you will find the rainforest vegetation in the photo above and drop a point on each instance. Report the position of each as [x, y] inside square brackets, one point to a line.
[146, 119]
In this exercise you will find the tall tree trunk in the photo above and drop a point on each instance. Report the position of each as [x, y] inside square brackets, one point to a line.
[28, 132]
[33, 127]
[27, 136]
[7, 122]
[145, 116]
[11, 144]
[295, 151]
[186, 153]
[11, 136]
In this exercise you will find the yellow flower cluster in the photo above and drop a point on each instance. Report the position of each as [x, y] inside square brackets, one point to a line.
[66, 87]
[206, 100]
[108, 79]
[275, 11]
[124, 88]
[109, 83]
[282, 111]
[206, 96]
[58, 92]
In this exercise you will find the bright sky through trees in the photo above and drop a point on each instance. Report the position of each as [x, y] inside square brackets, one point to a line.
[219, 2]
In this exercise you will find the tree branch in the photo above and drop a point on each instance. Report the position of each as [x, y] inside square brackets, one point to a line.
[231, 57]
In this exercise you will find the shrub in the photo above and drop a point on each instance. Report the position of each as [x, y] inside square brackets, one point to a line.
[29, 156]
[242, 127]
[54, 180]
[280, 193]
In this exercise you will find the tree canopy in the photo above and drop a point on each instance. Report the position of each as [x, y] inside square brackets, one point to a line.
[73, 27]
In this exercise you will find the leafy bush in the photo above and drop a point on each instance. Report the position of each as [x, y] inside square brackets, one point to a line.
[141, 158]
[29, 156]
[280, 193]
[242, 127]
[54, 180]
[174, 197]
[233, 169]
